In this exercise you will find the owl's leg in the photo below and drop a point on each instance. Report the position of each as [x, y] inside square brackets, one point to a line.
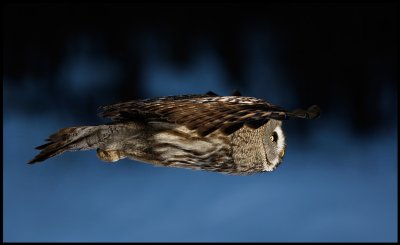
[110, 155]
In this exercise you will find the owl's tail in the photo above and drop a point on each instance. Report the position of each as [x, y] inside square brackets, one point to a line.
[69, 139]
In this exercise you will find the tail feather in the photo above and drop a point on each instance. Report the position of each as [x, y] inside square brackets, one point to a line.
[66, 139]
[51, 150]
[41, 147]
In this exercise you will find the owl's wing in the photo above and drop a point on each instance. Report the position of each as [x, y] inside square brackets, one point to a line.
[204, 113]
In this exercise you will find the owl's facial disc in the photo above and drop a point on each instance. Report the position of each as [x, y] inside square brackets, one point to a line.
[277, 140]
[280, 142]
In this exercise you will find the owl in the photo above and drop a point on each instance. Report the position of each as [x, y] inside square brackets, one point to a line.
[227, 134]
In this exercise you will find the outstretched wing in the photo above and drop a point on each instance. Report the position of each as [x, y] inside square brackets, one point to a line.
[204, 113]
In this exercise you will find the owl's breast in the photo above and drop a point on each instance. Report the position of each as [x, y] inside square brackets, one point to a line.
[181, 147]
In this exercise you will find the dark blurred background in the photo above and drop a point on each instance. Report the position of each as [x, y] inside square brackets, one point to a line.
[339, 178]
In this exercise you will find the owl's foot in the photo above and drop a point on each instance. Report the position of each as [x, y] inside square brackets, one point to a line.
[110, 155]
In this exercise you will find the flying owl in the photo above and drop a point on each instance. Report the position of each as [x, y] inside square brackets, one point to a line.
[227, 134]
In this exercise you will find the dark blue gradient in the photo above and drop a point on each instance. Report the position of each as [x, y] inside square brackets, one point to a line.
[338, 181]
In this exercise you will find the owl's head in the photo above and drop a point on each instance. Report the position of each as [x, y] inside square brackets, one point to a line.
[274, 144]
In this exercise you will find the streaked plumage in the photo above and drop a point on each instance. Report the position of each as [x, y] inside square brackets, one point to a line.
[229, 134]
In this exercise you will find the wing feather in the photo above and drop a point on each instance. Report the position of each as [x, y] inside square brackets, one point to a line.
[205, 113]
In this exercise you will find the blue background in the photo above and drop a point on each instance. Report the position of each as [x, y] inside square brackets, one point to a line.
[338, 181]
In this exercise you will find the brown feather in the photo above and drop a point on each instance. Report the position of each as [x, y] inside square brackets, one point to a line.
[205, 113]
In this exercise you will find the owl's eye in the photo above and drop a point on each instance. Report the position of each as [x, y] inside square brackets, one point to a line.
[274, 137]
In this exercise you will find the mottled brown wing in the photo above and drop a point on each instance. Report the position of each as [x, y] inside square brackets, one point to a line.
[204, 113]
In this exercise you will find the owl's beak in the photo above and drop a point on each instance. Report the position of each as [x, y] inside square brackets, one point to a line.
[282, 153]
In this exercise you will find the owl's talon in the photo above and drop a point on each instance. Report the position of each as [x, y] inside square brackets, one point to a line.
[110, 155]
